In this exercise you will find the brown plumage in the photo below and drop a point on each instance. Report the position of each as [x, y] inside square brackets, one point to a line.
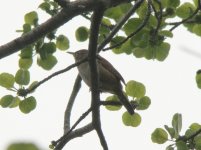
[109, 78]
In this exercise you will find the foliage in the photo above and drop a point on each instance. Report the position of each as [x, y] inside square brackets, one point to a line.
[142, 35]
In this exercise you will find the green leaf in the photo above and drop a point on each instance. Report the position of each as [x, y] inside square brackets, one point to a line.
[169, 147]
[82, 34]
[26, 28]
[48, 47]
[198, 79]
[195, 126]
[166, 33]
[138, 52]
[171, 131]
[115, 41]
[131, 120]
[22, 77]
[162, 51]
[62, 42]
[143, 103]
[26, 52]
[114, 13]
[181, 145]
[159, 136]
[25, 63]
[197, 141]
[47, 63]
[6, 101]
[197, 29]
[7, 80]
[45, 6]
[135, 89]
[185, 10]
[110, 107]
[32, 85]
[27, 105]
[173, 3]
[31, 18]
[177, 123]
[132, 25]
[15, 102]
[22, 146]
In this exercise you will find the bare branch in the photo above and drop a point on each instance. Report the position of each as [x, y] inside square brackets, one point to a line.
[68, 110]
[95, 94]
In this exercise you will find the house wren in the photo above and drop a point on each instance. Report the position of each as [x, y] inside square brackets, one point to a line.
[109, 78]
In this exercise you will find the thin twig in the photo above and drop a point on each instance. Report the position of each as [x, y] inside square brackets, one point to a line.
[119, 25]
[29, 90]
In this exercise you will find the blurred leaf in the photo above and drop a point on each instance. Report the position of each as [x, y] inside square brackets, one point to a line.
[26, 52]
[143, 103]
[31, 18]
[25, 63]
[185, 10]
[166, 33]
[22, 77]
[162, 51]
[131, 120]
[159, 136]
[6, 101]
[198, 79]
[62, 42]
[22, 146]
[138, 52]
[110, 107]
[171, 131]
[26, 28]
[27, 105]
[114, 13]
[173, 3]
[48, 48]
[47, 63]
[197, 141]
[177, 123]
[7, 80]
[15, 102]
[132, 25]
[169, 147]
[82, 34]
[197, 29]
[135, 89]
[181, 145]
[32, 84]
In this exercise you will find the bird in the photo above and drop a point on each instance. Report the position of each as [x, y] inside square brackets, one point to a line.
[109, 78]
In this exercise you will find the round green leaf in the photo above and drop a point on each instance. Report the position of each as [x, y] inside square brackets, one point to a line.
[7, 80]
[25, 63]
[162, 51]
[31, 18]
[114, 13]
[47, 63]
[181, 145]
[132, 25]
[166, 33]
[22, 77]
[115, 41]
[81, 34]
[49, 47]
[44, 6]
[110, 107]
[198, 79]
[159, 136]
[131, 120]
[26, 52]
[138, 52]
[15, 102]
[185, 10]
[26, 28]
[198, 142]
[143, 103]
[135, 89]
[170, 131]
[62, 42]
[27, 105]
[195, 126]
[6, 101]
[197, 29]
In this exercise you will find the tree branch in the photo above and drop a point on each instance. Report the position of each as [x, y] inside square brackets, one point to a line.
[68, 110]
[73, 9]
[95, 94]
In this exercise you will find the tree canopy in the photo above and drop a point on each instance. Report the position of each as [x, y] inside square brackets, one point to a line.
[138, 28]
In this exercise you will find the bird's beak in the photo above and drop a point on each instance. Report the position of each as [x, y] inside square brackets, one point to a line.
[72, 53]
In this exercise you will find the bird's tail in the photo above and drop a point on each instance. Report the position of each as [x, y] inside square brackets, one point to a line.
[123, 99]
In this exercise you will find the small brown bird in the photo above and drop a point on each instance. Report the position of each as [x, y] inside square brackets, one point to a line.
[109, 78]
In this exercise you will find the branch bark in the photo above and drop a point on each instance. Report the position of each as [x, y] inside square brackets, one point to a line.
[73, 9]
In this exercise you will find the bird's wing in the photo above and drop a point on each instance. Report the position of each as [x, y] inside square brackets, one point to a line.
[107, 64]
